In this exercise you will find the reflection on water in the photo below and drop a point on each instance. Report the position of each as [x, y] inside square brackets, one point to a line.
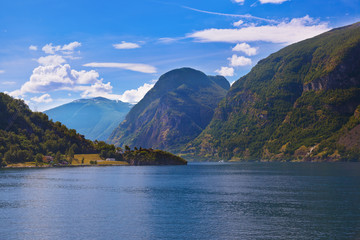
[198, 201]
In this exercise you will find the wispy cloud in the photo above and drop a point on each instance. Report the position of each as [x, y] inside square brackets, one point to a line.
[137, 67]
[241, 2]
[8, 83]
[238, 23]
[273, 1]
[168, 40]
[225, 71]
[2, 71]
[46, 98]
[247, 16]
[33, 48]
[126, 45]
[285, 32]
[66, 49]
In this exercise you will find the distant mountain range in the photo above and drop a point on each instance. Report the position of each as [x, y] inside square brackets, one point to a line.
[95, 118]
[302, 102]
[175, 111]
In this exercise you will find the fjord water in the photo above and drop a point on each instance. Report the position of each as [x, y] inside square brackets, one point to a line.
[198, 201]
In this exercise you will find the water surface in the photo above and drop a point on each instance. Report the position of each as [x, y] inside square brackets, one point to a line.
[198, 201]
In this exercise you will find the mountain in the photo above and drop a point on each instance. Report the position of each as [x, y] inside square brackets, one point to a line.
[95, 118]
[301, 102]
[24, 133]
[173, 112]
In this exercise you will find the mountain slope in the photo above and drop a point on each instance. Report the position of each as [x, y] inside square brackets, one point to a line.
[24, 133]
[299, 103]
[173, 112]
[95, 118]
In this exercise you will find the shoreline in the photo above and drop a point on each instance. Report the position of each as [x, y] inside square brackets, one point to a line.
[69, 166]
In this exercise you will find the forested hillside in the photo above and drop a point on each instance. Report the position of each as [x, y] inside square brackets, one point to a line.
[301, 102]
[24, 134]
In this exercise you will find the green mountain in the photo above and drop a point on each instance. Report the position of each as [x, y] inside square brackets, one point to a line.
[24, 133]
[95, 118]
[301, 102]
[173, 112]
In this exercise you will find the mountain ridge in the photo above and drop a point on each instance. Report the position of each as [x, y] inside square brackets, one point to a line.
[175, 110]
[95, 118]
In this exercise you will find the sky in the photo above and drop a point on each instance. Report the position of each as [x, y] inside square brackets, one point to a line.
[53, 52]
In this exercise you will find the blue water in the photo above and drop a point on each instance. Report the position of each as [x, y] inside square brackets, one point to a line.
[198, 201]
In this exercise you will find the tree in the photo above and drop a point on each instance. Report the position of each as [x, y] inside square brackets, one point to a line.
[57, 158]
[8, 157]
[38, 158]
[71, 155]
[127, 148]
[1, 160]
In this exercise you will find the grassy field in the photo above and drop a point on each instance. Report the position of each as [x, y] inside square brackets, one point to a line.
[113, 163]
[87, 158]
[94, 157]
[22, 165]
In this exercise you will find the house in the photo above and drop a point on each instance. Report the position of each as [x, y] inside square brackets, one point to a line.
[47, 159]
[110, 159]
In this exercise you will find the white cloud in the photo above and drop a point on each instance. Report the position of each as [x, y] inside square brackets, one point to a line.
[51, 60]
[245, 48]
[85, 77]
[135, 95]
[126, 45]
[239, 61]
[33, 48]
[2, 71]
[71, 46]
[56, 77]
[241, 2]
[50, 49]
[238, 23]
[49, 78]
[8, 83]
[99, 89]
[273, 1]
[46, 98]
[285, 32]
[226, 71]
[137, 67]
[66, 49]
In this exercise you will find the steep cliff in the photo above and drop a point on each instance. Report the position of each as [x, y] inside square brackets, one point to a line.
[299, 103]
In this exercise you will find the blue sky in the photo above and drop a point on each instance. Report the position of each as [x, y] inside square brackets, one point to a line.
[53, 52]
